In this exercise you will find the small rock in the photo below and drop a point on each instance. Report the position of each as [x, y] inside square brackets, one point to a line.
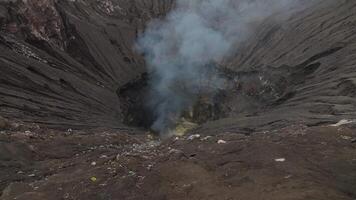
[221, 142]
[132, 173]
[32, 175]
[28, 133]
[195, 136]
[93, 179]
[93, 163]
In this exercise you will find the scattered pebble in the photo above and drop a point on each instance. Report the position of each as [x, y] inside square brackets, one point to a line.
[93, 179]
[93, 163]
[150, 137]
[31, 175]
[206, 138]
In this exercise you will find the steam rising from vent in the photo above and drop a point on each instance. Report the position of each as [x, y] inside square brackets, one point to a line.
[183, 48]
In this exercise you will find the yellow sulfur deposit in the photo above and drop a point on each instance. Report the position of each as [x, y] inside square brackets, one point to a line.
[183, 126]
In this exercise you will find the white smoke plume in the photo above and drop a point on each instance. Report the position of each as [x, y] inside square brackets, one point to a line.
[181, 48]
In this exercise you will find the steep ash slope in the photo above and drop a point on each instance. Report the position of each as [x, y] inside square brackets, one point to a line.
[61, 62]
[301, 70]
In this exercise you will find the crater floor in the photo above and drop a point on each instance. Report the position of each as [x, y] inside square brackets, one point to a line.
[295, 162]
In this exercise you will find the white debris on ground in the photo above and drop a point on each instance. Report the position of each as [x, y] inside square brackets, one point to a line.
[343, 122]
[280, 159]
[221, 142]
[145, 150]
